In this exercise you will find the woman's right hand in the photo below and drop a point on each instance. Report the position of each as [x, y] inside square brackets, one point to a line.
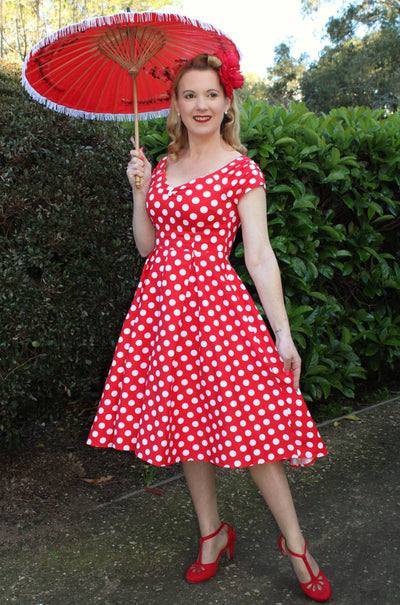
[139, 166]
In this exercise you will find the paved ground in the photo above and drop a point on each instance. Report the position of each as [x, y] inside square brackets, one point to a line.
[136, 550]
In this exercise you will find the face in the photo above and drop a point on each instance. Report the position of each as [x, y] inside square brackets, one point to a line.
[201, 101]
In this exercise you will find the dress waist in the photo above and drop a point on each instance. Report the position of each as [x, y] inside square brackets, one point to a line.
[196, 244]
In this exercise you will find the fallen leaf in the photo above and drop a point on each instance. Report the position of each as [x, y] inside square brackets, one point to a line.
[352, 417]
[336, 423]
[97, 481]
[153, 490]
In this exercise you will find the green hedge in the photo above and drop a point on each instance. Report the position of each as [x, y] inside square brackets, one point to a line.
[68, 262]
[69, 266]
[333, 193]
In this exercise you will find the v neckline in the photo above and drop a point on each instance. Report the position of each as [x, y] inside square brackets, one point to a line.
[205, 176]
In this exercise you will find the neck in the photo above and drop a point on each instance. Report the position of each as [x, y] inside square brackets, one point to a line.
[198, 147]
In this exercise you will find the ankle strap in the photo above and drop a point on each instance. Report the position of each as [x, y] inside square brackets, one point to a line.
[214, 534]
[295, 554]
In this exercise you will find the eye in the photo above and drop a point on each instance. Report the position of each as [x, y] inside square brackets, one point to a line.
[188, 95]
[213, 95]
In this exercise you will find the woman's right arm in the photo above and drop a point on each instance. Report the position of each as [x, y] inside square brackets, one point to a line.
[143, 229]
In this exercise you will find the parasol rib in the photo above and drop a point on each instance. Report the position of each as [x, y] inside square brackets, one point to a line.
[131, 49]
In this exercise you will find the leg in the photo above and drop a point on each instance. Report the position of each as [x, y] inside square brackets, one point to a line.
[271, 480]
[200, 478]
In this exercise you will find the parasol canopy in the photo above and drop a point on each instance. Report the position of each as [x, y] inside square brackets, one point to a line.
[118, 66]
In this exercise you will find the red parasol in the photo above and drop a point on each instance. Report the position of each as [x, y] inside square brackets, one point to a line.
[117, 67]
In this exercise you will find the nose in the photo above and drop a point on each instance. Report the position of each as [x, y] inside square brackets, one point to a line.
[201, 102]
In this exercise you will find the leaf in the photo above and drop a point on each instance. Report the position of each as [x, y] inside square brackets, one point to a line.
[335, 155]
[319, 296]
[317, 370]
[304, 203]
[341, 253]
[265, 150]
[98, 481]
[394, 342]
[336, 175]
[299, 267]
[346, 335]
[352, 417]
[300, 310]
[309, 166]
[284, 189]
[326, 271]
[333, 233]
[154, 490]
[286, 141]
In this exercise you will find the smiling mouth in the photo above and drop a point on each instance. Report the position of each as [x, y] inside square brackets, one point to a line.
[202, 118]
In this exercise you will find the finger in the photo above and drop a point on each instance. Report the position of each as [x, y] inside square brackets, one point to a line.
[136, 164]
[134, 171]
[287, 364]
[138, 156]
[135, 154]
[296, 369]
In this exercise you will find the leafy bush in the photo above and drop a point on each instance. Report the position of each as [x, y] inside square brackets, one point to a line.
[333, 193]
[68, 262]
[69, 266]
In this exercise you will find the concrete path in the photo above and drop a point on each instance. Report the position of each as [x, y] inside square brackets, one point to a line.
[136, 550]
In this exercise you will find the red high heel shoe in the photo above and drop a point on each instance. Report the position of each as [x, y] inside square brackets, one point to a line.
[198, 572]
[318, 587]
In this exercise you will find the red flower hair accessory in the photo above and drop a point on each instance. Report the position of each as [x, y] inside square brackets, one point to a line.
[229, 72]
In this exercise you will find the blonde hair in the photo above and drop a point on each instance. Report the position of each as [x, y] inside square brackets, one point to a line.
[230, 126]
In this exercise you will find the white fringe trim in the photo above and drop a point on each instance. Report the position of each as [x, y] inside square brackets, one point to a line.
[88, 115]
[121, 19]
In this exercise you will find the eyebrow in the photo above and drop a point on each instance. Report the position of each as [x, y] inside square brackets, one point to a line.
[208, 90]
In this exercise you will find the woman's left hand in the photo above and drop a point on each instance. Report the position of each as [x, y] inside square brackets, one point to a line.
[291, 358]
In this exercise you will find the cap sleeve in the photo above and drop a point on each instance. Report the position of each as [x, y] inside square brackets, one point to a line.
[160, 165]
[252, 175]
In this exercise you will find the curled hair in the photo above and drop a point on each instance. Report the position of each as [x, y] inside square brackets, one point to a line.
[230, 125]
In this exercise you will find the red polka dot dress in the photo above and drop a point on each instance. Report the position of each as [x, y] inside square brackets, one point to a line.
[196, 375]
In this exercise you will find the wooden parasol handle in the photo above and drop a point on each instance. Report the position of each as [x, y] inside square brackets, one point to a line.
[135, 109]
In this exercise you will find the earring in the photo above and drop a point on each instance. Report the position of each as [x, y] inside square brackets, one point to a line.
[179, 115]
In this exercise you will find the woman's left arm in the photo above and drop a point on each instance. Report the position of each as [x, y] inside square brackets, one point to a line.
[263, 267]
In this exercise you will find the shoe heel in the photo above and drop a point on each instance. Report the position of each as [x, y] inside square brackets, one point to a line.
[281, 548]
[231, 543]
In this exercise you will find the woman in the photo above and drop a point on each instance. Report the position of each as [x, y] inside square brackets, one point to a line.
[196, 377]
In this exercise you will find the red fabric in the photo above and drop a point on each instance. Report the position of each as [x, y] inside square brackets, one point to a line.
[68, 69]
[196, 375]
